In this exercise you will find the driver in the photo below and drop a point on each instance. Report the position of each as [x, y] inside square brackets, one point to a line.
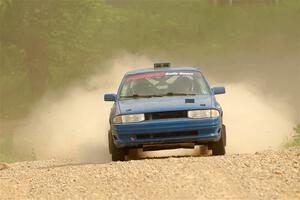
[141, 87]
[183, 85]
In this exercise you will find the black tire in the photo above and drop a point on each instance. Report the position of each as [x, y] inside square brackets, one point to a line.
[224, 135]
[218, 148]
[117, 154]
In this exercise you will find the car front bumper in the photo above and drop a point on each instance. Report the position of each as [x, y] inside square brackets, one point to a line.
[164, 131]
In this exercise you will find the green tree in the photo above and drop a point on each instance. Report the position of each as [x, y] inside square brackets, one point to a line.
[52, 34]
[50, 43]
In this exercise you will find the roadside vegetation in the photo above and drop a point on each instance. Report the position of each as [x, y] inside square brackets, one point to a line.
[6, 150]
[46, 45]
[295, 142]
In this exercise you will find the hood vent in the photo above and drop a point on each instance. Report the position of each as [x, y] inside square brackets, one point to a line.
[189, 100]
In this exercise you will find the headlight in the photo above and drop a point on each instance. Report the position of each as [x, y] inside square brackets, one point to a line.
[197, 114]
[129, 118]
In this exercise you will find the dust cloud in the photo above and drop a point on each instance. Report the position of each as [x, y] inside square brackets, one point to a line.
[73, 124]
[253, 121]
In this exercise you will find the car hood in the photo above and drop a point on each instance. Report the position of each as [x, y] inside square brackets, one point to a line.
[161, 104]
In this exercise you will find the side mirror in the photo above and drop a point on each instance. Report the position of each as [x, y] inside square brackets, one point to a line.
[110, 97]
[218, 90]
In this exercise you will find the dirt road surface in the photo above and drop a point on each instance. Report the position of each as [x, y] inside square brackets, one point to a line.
[264, 175]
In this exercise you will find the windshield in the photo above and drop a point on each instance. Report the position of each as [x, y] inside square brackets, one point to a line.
[158, 84]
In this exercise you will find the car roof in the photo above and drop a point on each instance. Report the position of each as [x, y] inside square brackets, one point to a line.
[163, 69]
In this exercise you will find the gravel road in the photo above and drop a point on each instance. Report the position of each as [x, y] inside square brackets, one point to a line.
[264, 175]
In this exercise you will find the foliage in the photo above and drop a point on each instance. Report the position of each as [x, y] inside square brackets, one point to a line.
[7, 152]
[296, 138]
[46, 44]
[297, 129]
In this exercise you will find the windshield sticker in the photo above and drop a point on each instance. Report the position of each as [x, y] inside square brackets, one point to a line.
[179, 74]
[158, 74]
[146, 75]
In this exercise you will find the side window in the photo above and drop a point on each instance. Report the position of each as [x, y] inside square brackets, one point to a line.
[124, 90]
[203, 87]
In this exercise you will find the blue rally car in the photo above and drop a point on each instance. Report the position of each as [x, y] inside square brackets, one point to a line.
[165, 108]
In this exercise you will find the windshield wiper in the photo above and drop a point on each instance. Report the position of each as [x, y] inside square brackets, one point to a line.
[154, 95]
[178, 94]
[138, 96]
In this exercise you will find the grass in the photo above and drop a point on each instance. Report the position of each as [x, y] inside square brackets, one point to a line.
[8, 152]
[295, 142]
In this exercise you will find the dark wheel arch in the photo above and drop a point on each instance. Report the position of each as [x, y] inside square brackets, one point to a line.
[117, 154]
[218, 148]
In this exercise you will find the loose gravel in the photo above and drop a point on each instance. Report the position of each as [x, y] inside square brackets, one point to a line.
[263, 175]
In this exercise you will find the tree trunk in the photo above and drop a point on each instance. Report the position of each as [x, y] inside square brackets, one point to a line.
[36, 61]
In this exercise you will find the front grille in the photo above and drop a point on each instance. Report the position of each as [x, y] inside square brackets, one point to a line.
[166, 115]
[167, 134]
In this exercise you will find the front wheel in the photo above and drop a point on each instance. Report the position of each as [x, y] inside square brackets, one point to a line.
[218, 148]
[117, 154]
